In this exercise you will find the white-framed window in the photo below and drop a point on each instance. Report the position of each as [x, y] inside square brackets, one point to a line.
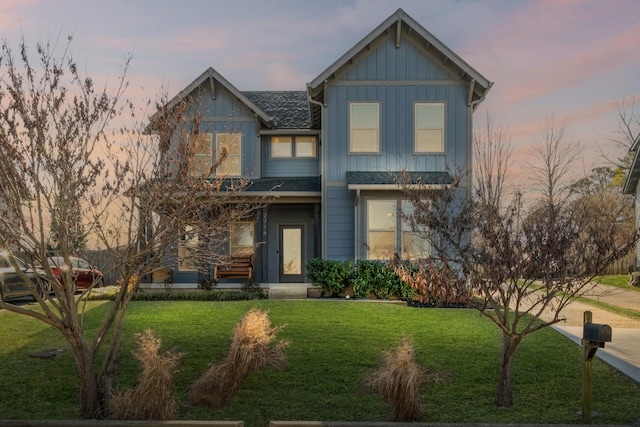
[187, 250]
[388, 233]
[241, 239]
[201, 148]
[429, 127]
[229, 154]
[293, 146]
[364, 127]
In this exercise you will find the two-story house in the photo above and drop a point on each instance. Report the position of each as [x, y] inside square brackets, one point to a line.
[399, 100]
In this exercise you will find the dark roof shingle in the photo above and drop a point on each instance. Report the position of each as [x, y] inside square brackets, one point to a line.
[290, 109]
[363, 178]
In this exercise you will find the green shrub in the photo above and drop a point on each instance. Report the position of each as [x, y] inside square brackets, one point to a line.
[332, 276]
[380, 278]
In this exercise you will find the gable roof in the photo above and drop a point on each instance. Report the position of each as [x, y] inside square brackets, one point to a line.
[480, 85]
[213, 76]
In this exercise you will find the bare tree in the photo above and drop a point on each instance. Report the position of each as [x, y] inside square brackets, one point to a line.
[492, 152]
[131, 191]
[627, 136]
[554, 160]
[628, 123]
[525, 262]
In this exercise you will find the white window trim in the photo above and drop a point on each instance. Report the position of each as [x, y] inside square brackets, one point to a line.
[351, 128]
[415, 127]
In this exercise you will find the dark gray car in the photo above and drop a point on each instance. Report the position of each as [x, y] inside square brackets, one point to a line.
[12, 285]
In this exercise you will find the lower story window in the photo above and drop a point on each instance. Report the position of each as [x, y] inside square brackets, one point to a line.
[388, 233]
[241, 241]
[187, 250]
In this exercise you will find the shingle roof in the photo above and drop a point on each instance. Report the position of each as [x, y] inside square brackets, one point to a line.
[363, 178]
[289, 108]
[282, 185]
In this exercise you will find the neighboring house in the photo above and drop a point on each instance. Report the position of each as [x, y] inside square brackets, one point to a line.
[631, 187]
[399, 100]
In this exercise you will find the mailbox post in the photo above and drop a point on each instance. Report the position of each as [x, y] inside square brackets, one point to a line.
[594, 336]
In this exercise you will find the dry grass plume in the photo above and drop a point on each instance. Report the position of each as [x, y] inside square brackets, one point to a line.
[398, 378]
[252, 349]
[152, 397]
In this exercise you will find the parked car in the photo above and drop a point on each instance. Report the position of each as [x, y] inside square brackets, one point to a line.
[13, 286]
[84, 274]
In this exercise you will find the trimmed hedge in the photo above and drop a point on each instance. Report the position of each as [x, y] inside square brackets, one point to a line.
[184, 296]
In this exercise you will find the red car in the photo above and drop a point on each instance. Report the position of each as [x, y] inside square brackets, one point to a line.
[84, 274]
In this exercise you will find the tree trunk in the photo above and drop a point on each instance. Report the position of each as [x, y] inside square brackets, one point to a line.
[90, 395]
[90, 400]
[505, 390]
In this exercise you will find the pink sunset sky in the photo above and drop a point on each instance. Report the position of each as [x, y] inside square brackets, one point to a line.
[575, 60]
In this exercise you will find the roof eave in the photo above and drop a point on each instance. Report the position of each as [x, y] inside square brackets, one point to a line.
[631, 182]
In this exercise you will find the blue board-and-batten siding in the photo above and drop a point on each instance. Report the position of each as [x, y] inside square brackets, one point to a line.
[287, 167]
[396, 130]
[395, 78]
[340, 228]
[224, 113]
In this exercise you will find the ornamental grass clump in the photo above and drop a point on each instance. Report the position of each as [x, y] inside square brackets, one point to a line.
[152, 397]
[252, 349]
[397, 379]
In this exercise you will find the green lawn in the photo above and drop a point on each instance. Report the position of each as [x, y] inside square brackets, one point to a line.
[332, 345]
[618, 280]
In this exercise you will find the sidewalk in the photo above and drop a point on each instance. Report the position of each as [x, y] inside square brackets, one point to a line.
[623, 352]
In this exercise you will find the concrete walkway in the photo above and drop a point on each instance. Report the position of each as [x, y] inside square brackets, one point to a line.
[623, 352]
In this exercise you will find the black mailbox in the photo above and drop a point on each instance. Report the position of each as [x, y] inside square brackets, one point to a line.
[596, 332]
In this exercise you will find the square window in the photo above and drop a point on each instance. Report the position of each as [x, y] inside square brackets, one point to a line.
[364, 122]
[306, 146]
[429, 128]
[281, 146]
[388, 233]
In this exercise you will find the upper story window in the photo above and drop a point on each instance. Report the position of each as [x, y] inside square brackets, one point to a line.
[200, 164]
[229, 154]
[293, 146]
[429, 127]
[364, 127]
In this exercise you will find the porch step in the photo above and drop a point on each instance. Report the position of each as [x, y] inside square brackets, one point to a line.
[288, 291]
